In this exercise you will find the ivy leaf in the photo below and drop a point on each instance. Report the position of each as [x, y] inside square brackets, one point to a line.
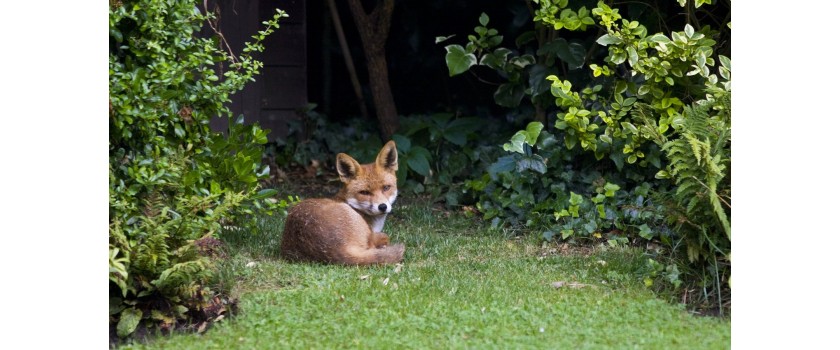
[601, 212]
[547, 141]
[456, 131]
[571, 53]
[443, 38]
[495, 60]
[517, 143]
[548, 235]
[645, 232]
[533, 162]
[567, 233]
[509, 95]
[575, 199]
[610, 189]
[403, 143]
[458, 60]
[529, 135]
[532, 132]
[523, 61]
[502, 165]
[457, 136]
[575, 57]
[590, 226]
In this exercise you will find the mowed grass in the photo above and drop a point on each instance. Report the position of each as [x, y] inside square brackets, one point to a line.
[461, 286]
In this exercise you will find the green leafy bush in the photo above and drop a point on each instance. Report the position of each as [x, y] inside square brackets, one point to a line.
[173, 182]
[439, 152]
[654, 107]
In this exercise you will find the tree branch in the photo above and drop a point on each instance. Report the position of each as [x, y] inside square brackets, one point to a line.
[214, 27]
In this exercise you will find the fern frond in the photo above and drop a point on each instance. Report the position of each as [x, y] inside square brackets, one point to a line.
[152, 253]
[698, 161]
[724, 221]
[697, 119]
[687, 188]
[691, 207]
[182, 274]
[679, 168]
[698, 148]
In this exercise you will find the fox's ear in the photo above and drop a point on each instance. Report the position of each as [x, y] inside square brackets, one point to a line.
[387, 158]
[347, 167]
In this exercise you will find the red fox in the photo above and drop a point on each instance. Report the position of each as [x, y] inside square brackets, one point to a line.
[347, 229]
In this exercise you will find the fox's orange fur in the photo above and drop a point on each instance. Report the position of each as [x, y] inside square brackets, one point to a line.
[347, 229]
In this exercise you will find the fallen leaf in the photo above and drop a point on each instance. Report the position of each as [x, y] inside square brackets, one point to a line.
[398, 268]
[251, 264]
[364, 277]
[385, 281]
[202, 327]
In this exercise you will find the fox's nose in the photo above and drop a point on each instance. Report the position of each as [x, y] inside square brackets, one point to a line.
[383, 207]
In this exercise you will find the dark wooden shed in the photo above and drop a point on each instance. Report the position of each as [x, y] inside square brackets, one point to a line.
[281, 88]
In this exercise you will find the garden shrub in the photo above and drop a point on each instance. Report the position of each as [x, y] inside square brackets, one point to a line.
[437, 152]
[653, 108]
[442, 151]
[172, 181]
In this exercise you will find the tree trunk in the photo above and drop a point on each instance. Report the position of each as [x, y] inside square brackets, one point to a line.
[373, 29]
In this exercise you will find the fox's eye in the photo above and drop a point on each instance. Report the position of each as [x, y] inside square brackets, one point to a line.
[386, 188]
[366, 193]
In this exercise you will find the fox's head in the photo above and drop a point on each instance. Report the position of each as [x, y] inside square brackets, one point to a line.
[370, 188]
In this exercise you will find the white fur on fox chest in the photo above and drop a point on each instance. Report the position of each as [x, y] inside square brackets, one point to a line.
[378, 222]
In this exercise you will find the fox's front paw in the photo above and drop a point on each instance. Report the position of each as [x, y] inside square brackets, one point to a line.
[380, 239]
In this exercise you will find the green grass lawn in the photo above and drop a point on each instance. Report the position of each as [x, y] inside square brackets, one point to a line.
[461, 286]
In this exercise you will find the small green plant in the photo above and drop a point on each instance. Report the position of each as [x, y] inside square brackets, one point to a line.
[442, 151]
